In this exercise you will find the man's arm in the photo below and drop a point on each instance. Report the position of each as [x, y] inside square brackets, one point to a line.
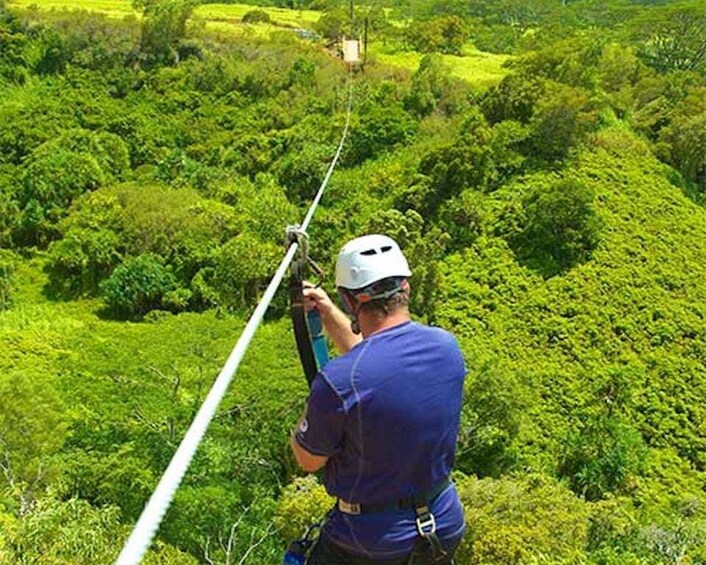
[335, 322]
[307, 461]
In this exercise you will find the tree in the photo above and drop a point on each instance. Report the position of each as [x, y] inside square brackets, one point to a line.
[560, 120]
[49, 183]
[73, 531]
[332, 24]
[490, 422]
[33, 427]
[445, 34]
[465, 163]
[92, 245]
[256, 17]
[423, 246]
[605, 453]
[379, 128]
[521, 520]
[243, 268]
[684, 142]
[109, 150]
[558, 227]
[163, 28]
[675, 40]
[428, 86]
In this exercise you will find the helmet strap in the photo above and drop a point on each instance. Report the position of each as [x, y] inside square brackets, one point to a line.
[352, 307]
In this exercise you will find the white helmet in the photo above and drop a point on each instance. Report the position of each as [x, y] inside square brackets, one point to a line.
[369, 259]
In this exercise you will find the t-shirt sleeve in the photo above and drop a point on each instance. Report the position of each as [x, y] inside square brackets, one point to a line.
[321, 430]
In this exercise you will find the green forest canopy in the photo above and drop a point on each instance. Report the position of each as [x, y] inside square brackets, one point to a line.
[552, 212]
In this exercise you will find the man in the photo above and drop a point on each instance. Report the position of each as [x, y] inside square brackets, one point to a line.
[383, 419]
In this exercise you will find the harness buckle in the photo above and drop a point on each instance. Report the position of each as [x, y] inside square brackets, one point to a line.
[352, 508]
[426, 525]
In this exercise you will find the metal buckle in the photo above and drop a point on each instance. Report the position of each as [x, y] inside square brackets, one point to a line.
[429, 522]
[349, 507]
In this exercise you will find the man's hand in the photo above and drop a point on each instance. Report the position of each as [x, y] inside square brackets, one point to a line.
[335, 322]
[315, 298]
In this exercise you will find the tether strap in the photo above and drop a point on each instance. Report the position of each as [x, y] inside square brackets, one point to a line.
[308, 333]
[301, 329]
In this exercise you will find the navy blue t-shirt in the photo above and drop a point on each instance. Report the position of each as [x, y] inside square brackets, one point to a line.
[387, 416]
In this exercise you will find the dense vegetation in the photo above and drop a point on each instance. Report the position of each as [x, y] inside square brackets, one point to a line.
[554, 221]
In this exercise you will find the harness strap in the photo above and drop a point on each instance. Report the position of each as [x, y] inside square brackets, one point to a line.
[401, 504]
[426, 528]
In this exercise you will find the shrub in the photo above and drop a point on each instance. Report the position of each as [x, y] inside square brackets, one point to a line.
[256, 17]
[8, 263]
[137, 286]
[301, 503]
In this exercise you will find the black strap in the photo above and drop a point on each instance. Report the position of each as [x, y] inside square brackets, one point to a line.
[301, 329]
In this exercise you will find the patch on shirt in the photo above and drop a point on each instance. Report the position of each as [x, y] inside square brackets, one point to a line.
[304, 426]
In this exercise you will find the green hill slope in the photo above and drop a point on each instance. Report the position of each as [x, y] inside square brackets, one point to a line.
[631, 318]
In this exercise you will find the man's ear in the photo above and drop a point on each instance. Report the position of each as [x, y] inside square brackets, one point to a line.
[405, 286]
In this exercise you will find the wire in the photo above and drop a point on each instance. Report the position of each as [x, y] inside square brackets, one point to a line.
[144, 531]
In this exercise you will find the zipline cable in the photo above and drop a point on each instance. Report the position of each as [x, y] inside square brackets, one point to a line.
[146, 527]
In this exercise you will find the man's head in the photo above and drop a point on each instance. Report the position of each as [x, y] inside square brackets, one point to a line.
[371, 276]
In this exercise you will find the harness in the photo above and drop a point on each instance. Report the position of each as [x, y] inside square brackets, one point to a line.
[425, 521]
[308, 332]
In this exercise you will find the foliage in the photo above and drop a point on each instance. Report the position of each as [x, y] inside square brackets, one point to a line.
[540, 199]
[521, 520]
[302, 503]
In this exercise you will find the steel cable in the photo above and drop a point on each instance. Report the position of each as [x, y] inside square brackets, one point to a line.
[146, 527]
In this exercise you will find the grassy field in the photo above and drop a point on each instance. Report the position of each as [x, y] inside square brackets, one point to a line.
[222, 13]
[476, 67]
